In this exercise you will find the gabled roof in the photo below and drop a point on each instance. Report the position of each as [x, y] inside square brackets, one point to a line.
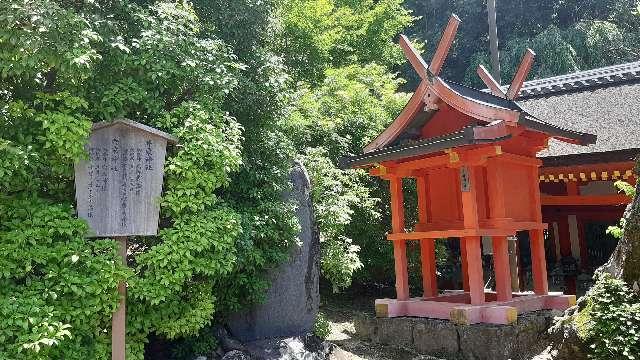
[414, 115]
[604, 101]
[473, 107]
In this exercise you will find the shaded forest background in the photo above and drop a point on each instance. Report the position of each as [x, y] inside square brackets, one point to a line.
[248, 86]
[567, 36]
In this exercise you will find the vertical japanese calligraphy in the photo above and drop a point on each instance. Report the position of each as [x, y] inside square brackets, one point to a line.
[120, 182]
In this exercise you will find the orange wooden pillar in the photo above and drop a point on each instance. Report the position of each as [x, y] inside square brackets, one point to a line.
[497, 211]
[471, 244]
[538, 262]
[427, 246]
[502, 268]
[399, 246]
[536, 239]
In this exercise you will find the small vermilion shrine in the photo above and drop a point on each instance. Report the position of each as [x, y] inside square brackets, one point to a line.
[473, 156]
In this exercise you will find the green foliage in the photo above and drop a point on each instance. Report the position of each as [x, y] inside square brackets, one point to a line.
[190, 348]
[259, 103]
[610, 322]
[323, 34]
[322, 326]
[64, 66]
[57, 290]
[335, 193]
[618, 230]
[347, 110]
[334, 119]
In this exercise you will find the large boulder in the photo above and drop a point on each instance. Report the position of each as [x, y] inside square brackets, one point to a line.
[292, 301]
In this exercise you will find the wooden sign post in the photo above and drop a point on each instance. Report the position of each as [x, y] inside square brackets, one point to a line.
[117, 193]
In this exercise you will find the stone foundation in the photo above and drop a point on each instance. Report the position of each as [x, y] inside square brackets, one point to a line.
[442, 338]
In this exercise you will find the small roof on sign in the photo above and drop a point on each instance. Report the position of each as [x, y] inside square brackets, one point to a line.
[136, 125]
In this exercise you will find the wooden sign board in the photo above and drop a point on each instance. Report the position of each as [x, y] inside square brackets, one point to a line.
[118, 187]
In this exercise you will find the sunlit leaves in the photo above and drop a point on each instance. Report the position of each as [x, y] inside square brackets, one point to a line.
[610, 321]
[47, 298]
[321, 34]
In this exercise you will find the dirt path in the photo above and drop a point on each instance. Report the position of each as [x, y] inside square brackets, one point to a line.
[340, 314]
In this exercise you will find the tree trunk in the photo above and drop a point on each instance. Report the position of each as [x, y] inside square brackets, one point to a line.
[624, 263]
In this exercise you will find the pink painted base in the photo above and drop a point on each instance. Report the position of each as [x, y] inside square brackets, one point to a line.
[455, 306]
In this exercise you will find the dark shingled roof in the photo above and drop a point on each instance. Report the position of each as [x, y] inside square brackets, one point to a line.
[611, 112]
[412, 131]
[589, 79]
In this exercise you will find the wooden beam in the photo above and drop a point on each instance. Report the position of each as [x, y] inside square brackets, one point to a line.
[443, 234]
[474, 269]
[501, 267]
[444, 45]
[399, 247]
[521, 74]
[424, 163]
[414, 57]
[427, 246]
[491, 83]
[538, 262]
[560, 200]
[119, 320]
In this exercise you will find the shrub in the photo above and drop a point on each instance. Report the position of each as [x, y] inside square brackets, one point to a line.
[610, 322]
[322, 326]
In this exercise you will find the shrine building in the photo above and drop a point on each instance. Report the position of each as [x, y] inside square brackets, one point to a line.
[578, 198]
[473, 155]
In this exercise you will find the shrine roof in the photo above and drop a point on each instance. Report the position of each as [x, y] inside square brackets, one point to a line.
[407, 137]
[470, 135]
[482, 96]
[582, 80]
[609, 110]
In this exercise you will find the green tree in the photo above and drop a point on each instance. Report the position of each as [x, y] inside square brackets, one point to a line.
[64, 65]
[321, 34]
[335, 119]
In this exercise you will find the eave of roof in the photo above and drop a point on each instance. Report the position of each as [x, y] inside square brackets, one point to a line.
[534, 123]
[591, 158]
[470, 135]
[581, 80]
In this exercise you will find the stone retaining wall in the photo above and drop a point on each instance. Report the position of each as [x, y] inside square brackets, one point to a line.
[442, 338]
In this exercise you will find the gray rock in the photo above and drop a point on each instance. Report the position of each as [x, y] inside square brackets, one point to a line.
[225, 340]
[484, 342]
[396, 331]
[366, 327]
[236, 355]
[435, 337]
[521, 341]
[292, 301]
[307, 347]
